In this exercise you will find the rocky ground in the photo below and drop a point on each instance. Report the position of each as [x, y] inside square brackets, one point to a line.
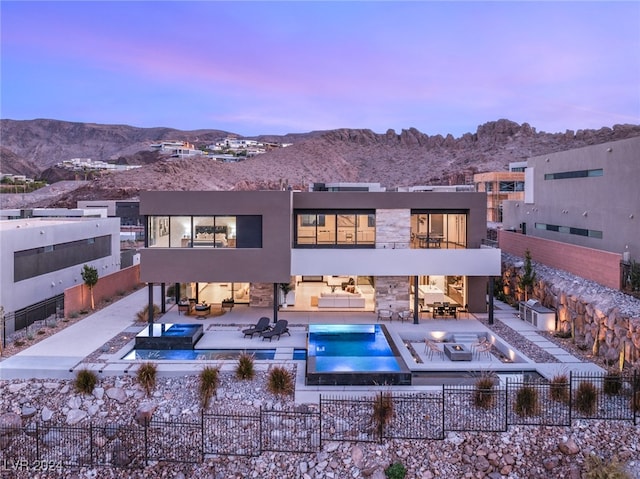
[520, 452]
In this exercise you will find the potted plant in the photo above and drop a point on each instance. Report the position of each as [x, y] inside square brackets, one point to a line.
[227, 303]
[285, 288]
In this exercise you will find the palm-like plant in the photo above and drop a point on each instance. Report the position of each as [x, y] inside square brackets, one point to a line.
[90, 278]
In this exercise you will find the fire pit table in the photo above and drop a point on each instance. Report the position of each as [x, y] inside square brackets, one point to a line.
[457, 352]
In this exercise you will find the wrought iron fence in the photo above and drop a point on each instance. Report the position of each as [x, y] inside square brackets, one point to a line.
[374, 418]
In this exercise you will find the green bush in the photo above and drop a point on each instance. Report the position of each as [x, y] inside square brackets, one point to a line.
[484, 395]
[209, 379]
[146, 376]
[396, 471]
[85, 381]
[559, 388]
[245, 368]
[586, 398]
[526, 403]
[280, 381]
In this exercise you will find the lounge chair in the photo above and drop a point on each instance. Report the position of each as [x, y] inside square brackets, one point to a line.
[260, 327]
[279, 329]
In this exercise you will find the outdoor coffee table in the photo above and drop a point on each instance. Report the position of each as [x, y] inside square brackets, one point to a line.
[457, 352]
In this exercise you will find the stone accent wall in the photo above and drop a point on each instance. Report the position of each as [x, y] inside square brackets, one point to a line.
[392, 292]
[393, 228]
[602, 320]
[261, 295]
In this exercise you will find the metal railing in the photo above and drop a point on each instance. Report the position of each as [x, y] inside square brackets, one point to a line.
[375, 418]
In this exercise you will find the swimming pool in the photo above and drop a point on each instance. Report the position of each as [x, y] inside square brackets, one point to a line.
[206, 354]
[353, 354]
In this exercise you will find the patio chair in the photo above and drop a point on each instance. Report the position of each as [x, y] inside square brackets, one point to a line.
[484, 350]
[481, 340]
[430, 348]
[405, 314]
[279, 329]
[385, 314]
[260, 327]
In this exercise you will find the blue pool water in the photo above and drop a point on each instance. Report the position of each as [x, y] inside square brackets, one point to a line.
[205, 354]
[351, 347]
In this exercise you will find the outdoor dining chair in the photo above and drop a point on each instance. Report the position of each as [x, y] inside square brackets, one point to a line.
[385, 314]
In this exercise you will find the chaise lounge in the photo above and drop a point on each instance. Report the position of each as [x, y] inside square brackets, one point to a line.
[260, 327]
[279, 329]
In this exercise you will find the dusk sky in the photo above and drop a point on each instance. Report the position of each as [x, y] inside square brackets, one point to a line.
[290, 67]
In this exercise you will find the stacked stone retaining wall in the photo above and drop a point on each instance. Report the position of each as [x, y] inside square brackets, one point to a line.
[603, 320]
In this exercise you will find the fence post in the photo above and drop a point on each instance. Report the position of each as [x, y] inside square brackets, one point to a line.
[320, 422]
[37, 440]
[506, 403]
[635, 398]
[146, 443]
[443, 412]
[91, 444]
[570, 398]
[261, 419]
[201, 434]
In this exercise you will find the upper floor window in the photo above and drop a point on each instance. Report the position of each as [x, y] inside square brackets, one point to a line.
[219, 231]
[328, 229]
[439, 229]
[573, 174]
[570, 230]
[510, 186]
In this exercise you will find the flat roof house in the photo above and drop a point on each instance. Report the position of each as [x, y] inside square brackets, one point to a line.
[339, 250]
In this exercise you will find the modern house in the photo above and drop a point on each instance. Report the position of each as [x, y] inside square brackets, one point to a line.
[587, 197]
[339, 250]
[499, 186]
[42, 256]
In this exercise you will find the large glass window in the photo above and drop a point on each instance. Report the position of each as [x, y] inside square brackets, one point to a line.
[335, 229]
[205, 231]
[439, 229]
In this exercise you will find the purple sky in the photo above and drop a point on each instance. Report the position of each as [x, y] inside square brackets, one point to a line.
[280, 67]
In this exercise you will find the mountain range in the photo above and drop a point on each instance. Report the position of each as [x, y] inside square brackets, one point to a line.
[408, 158]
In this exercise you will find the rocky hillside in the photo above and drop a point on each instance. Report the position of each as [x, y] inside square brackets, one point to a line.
[392, 159]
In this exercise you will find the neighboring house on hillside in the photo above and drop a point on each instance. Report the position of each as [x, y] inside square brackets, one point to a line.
[587, 197]
[42, 256]
[499, 187]
[177, 149]
[399, 251]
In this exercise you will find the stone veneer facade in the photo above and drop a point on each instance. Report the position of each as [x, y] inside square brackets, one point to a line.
[603, 320]
[393, 230]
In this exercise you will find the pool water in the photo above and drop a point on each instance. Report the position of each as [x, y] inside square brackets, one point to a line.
[206, 354]
[353, 354]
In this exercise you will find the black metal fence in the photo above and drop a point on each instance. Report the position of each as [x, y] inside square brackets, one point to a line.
[375, 418]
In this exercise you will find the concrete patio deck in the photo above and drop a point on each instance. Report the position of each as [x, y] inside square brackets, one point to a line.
[59, 355]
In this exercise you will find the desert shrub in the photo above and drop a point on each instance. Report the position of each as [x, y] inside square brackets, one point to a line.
[612, 383]
[146, 376]
[245, 368]
[559, 388]
[85, 381]
[142, 316]
[562, 334]
[382, 411]
[598, 468]
[484, 395]
[396, 471]
[586, 398]
[209, 378]
[526, 402]
[121, 292]
[280, 381]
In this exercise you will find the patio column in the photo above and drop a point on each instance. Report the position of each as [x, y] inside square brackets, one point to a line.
[275, 302]
[177, 291]
[150, 310]
[490, 299]
[163, 296]
[416, 301]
